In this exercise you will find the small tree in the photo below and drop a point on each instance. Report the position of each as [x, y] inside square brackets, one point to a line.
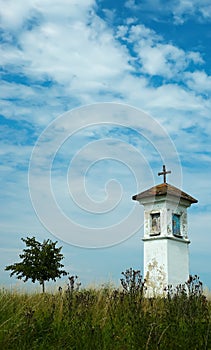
[40, 262]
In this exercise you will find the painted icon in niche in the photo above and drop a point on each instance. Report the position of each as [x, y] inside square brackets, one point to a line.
[176, 224]
[155, 223]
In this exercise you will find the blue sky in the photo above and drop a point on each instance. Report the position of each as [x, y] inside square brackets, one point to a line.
[124, 57]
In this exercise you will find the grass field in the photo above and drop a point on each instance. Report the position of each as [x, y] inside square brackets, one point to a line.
[105, 318]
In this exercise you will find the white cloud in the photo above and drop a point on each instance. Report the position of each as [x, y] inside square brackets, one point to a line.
[199, 81]
[206, 10]
[181, 10]
[131, 4]
[184, 9]
[15, 14]
[68, 45]
[87, 64]
[79, 56]
[12, 90]
[156, 56]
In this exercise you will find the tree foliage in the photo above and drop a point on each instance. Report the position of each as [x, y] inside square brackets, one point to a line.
[40, 262]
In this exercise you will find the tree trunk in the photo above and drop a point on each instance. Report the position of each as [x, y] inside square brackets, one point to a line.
[43, 286]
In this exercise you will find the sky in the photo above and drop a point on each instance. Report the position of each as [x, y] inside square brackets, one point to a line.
[96, 96]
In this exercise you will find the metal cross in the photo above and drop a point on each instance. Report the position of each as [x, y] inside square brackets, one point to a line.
[164, 172]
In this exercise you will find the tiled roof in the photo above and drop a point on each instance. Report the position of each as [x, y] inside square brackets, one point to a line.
[162, 190]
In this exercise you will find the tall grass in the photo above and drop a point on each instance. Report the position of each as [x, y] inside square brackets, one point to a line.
[104, 318]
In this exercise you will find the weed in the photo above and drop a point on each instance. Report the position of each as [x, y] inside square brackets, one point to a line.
[107, 318]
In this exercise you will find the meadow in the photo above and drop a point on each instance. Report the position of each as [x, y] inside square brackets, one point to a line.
[106, 318]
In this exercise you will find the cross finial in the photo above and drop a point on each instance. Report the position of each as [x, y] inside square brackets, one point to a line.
[164, 172]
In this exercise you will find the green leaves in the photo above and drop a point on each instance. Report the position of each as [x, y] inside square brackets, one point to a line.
[40, 262]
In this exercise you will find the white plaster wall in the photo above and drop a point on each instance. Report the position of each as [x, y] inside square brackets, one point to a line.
[178, 262]
[155, 265]
[166, 262]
